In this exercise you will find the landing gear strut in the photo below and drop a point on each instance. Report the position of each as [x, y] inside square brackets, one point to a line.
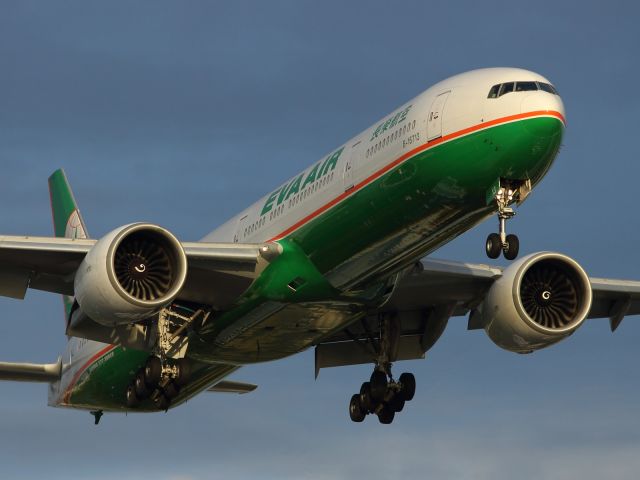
[382, 395]
[509, 245]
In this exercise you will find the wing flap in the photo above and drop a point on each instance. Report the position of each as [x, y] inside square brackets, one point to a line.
[356, 352]
[43, 263]
[229, 386]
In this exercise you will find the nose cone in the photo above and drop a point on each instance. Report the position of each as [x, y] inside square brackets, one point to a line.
[539, 101]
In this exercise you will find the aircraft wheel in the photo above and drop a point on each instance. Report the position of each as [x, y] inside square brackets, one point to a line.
[141, 389]
[408, 382]
[161, 402]
[152, 371]
[493, 245]
[184, 371]
[397, 402]
[378, 384]
[366, 401]
[171, 389]
[132, 398]
[386, 415]
[355, 409]
[513, 247]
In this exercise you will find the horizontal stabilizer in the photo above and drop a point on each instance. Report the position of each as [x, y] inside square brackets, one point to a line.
[228, 386]
[31, 372]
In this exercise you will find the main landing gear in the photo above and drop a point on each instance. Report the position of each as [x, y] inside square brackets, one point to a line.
[167, 371]
[160, 381]
[382, 395]
[509, 245]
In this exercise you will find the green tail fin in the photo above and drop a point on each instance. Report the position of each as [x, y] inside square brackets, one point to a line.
[67, 221]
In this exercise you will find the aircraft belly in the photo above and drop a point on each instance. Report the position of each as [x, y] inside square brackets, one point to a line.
[289, 330]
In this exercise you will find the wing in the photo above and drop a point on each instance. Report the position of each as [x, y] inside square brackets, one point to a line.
[50, 263]
[424, 300]
[465, 285]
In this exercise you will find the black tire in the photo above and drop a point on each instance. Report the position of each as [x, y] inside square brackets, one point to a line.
[366, 401]
[386, 415]
[355, 409]
[132, 398]
[161, 402]
[142, 391]
[378, 384]
[493, 245]
[408, 382]
[152, 372]
[513, 247]
[397, 402]
[171, 389]
[184, 371]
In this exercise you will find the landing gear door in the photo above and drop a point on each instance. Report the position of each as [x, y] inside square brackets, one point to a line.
[350, 166]
[434, 120]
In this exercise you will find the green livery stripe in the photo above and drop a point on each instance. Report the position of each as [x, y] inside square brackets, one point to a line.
[413, 153]
[431, 188]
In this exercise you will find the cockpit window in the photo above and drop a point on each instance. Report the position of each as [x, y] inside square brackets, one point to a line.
[503, 88]
[526, 86]
[545, 87]
[506, 88]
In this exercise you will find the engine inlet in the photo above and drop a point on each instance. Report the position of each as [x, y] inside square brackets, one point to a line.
[144, 265]
[551, 293]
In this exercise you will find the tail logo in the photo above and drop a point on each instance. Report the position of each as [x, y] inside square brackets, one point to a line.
[74, 228]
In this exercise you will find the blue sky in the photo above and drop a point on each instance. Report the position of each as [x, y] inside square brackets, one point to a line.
[183, 113]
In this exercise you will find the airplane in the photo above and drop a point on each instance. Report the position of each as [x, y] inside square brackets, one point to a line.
[337, 258]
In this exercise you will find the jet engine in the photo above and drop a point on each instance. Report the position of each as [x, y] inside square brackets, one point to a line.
[130, 274]
[539, 300]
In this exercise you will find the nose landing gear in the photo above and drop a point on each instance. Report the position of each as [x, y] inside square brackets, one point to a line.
[509, 245]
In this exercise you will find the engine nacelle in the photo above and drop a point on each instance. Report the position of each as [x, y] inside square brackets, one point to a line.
[539, 300]
[130, 274]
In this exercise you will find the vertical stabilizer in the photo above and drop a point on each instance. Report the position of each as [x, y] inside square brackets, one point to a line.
[67, 221]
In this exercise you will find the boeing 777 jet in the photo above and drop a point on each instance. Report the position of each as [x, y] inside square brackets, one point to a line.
[337, 258]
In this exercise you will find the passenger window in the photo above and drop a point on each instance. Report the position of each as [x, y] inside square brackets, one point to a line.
[506, 88]
[526, 86]
[493, 93]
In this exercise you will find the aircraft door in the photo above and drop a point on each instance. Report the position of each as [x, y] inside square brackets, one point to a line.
[434, 121]
[350, 166]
